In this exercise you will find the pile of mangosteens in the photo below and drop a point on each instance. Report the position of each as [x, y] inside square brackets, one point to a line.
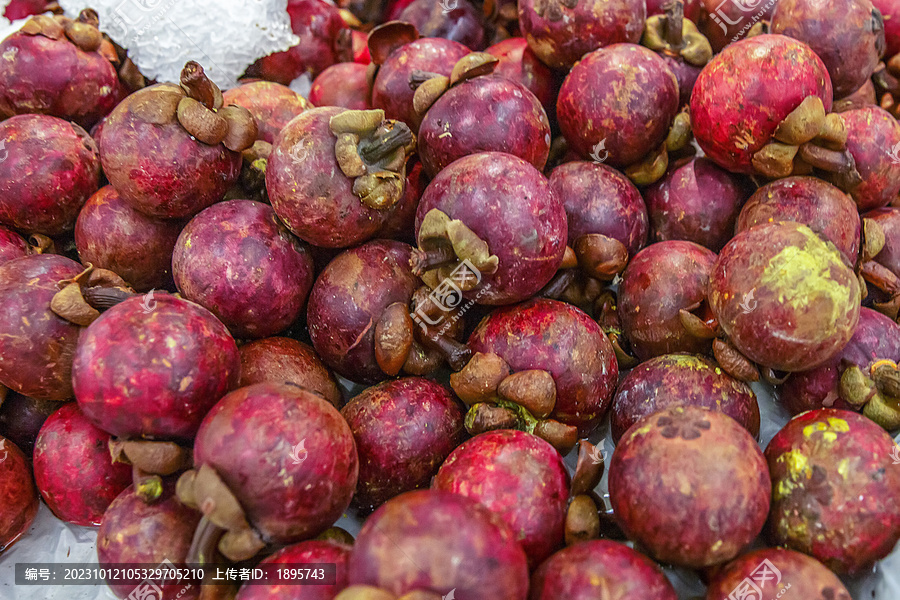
[537, 298]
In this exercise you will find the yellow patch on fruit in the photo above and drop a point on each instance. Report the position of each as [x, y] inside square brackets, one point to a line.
[801, 278]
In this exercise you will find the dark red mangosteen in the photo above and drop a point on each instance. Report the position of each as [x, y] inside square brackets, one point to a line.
[518, 476]
[347, 168]
[404, 429]
[690, 485]
[172, 150]
[698, 202]
[439, 542]
[833, 487]
[59, 66]
[73, 469]
[456, 226]
[50, 168]
[273, 464]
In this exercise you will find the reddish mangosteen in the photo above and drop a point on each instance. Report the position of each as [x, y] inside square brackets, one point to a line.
[345, 85]
[153, 366]
[698, 202]
[873, 140]
[36, 345]
[359, 314]
[268, 272]
[890, 13]
[110, 234]
[519, 63]
[457, 222]
[618, 104]
[662, 283]
[324, 40]
[334, 174]
[864, 96]
[786, 299]
[19, 9]
[272, 105]
[404, 429]
[134, 532]
[607, 218]
[690, 485]
[774, 571]
[560, 32]
[834, 489]
[50, 168]
[468, 113]
[725, 22]
[59, 66]
[862, 373]
[404, 62]
[681, 380]
[439, 542]
[463, 22]
[544, 366]
[808, 200]
[20, 498]
[274, 464]
[677, 40]
[591, 569]
[304, 553]
[73, 469]
[21, 419]
[517, 476]
[172, 150]
[761, 103]
[284, 360]
[848, 35]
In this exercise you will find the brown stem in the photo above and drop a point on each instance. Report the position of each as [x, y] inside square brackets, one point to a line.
[582, 520]
[199, 87]
[204, 544]
[386, 139]
[484, 417]
[674, 12]
[103, 298]
[437, 256]
[588, 469]
[456, 353]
